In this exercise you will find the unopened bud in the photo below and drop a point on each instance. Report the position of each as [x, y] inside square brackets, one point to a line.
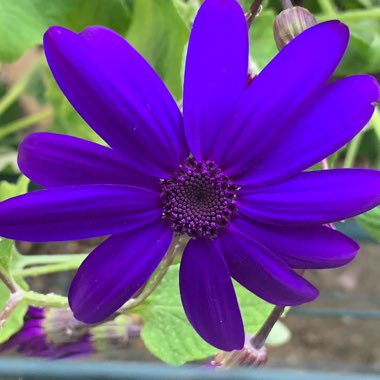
[290, 23]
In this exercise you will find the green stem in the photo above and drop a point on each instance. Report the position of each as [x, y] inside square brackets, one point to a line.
[45, 300]
[24, 122]
[375, 123]
[327, 7]
[352, 151]
[48, 269]
[354, 15]
[50, 259]
[177, 244]
[17, 89]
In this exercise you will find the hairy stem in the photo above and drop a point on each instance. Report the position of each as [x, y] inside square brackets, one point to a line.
[45, 300]
[254, 10]
[259, 339]
[173, 251]
[13, 301]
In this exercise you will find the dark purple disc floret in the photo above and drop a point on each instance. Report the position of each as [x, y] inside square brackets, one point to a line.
[234, 162]
[198, 199]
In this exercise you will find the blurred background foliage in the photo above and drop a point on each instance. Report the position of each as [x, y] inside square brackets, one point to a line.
[159, 29]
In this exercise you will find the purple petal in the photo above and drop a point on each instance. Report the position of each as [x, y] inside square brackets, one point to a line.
[54, 160]
[336, 116]
[119, 95]
[314, 197]
[286, 86]
[216, 72]
[77, 212]
[262, 272]
[302, 247]
[114, 271]
[208, 296]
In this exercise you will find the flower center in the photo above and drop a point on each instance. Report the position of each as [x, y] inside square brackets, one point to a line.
[198, 199]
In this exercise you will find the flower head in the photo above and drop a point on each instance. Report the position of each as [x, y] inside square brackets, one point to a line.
[229, 172]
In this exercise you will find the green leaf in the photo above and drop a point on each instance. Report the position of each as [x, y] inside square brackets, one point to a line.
[9, 190]
[363, 52]
[167, 332]
[6, 253]
[370, 223]
[16, 319]
[23, 22]
[159, 33]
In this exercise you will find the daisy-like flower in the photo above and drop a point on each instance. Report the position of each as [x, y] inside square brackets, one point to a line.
[229, 173]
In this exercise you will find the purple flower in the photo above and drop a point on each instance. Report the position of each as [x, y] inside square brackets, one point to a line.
[253, 212]
[33, 339]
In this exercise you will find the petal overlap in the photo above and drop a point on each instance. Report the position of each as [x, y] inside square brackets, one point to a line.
[208, 295]
[54, 160]
[119, 95]
[288, 84]
[115, 270]
[319, 197]
[262, 272]
[302, 247]
[77, 212]
[216, 72]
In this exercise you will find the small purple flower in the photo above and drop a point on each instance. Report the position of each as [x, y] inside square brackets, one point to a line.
[33, 338]
[229, 173]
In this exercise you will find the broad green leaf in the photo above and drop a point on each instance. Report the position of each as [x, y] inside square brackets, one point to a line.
[370, 223]
[16, 319]
[159, 33]
[9, 190]
[23, 22]
[167, 332]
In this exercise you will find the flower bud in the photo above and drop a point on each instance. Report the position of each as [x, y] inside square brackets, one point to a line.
[290, 23]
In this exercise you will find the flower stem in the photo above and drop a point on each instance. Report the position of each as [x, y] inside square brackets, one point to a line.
[327, 7]
[39, 270]
[8, 282]
[286, 4]
[352, 151]
[173, 251]
[24, 122]
[13, 301]
[375, 123]
[259, 339]
[254, 10]
[45, 300]
[26, 260]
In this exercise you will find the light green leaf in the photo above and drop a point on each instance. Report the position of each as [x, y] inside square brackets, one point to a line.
[6, 253]
[16, 319]
[159, 33]
[370, 223]
[279, 335]
[23, 22]
[9, 190]
[167, 332]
